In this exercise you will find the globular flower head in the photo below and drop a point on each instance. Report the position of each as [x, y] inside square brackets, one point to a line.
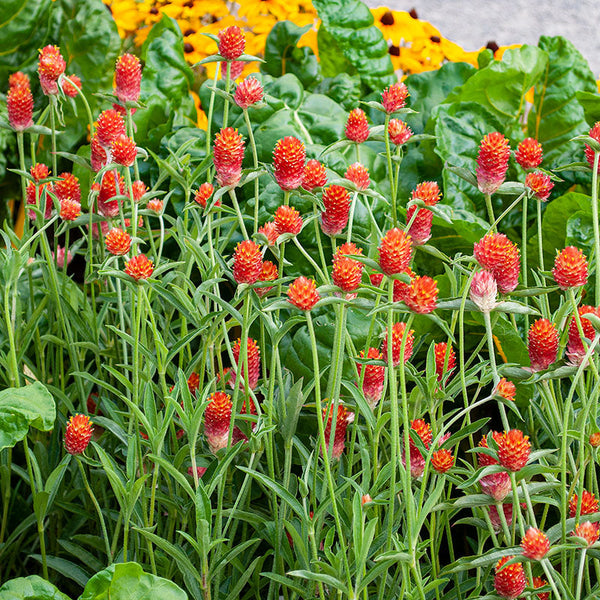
[588, 531]
[18, 79]
[401, 288]
[595, 439]
[269, 230]
[98, 156]
[109, 126]
[232, 42]
[496, 253]
[496, 485]
[529, 153]
[445, 360]
[589, 504]
[492, 162]
[36, 195]
[570, 268]
[540, 184]
[228, 154]
[39, 171]
[374, 377]
[420, 224]
[67, 187]
[535, 544]
[123, 150]
[357, 128]
[483, 291]
[108, 204]
[399, 132]
[495, 519]
[139, 267]
[19, 104]
[334, 218]
[538, 582]
[314, 175]
[398, 330]
[303, 294]
[199, 471]
[128, 78]
[235, 70]
[428, 191]
[575, 347]
[247, 262]
[51, 66]
[359, 175]
[288, 220]
[71, 88]
[347, 273]
[289, 157]
[155, 205]
[509, 582]
[205, 191]
[513, 449]
[421, 296]
[118, 242]
[253, 353]
[589, 151]
[542, 344]
[69, 209]
[138, 188]
[248, 92]
[268, 272]
[217, 419]
[78, 434]
[341, 424]
[506, 389]
[417, 460]
[395, 251]
[442, 460]
[394, 97]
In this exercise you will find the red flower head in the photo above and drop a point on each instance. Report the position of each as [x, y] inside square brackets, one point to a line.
[155, 205]
[570, 268]
[506, 389]
[347, 272]
[492, 162]
[109, 127]
[123, 150]
[67, 187]
[236, 69]
[357, 128]
[199, 471]
[269, 230]
[228, 155]
[589, 151]
[399, 132]
[19, 104]
[421, 296]
[420, 227]
[51, 66]
[507, 509]
[394, 97]
[509, 582]
[442, 460]
[303, 294]
[39, 171]
[289, 157]
[588, 531]
[359, 175]
[595, 439]
[483, 291]
[374, 376]
[247, 262]
[288, 220]
[69, 209]
[253, 363]
[535, 544]
[18, 79]
[78, 434]
[98, 156]
[589, 504]
[485, 460]
[496, 253]
[496, 485]
[417, 460]
[139, 267]
[139, 189]
[248, 92]
[377, 278]
[401, 289]
[217, 419]
[543, 344]
[513, 449]
[529, 153]
[268, 272]
[35, 195]
[232, 42]
[428, 191]
[314, 175]
[128, 78]
[341, 424]
[395, 251]
[205, 191]
[442, 350]
[336, 200]
[397, 335]
[540, 184]
[118, 242]
[575, 348]
[71, 89]
[108, 205]
[538, 582]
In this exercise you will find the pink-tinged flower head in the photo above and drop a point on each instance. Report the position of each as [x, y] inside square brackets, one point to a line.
[483, 291]
[374, 377]
[535, 544]
[496, 485]
[417, 460]
[118, 242]
[71, 88]
[529, 153]
[288, 220]
[394, 97]
[232, 42]
[341, 424]
[18, 79]
[247, 262]
[570, 268]
[228, 154]
[51, 66]
[538, 582]
[289, 157]
[108, 205]
[496, 253]
[205, 191]
[359, 175]
[138, 188]
[269, 230]
[123, 150]
[589, 151]
[253, 354]
[235, 70]
[420, 227]
[421, 296]
[128, 78]
[155, 205]
[513, 449]
[399, 132]
[540, 184]
[217, 419]
[509, 582]
[334, 218]
[442, 460]
[199, 471]
[67, 187]
[495, 519]
[248, 92]
[78, 434]
[444, 355]
[314, 175]
[303, 294]
[575, 347]
[268, 272]
[506, 389]
[542, 344]
[19, 104]
[395, 251]
[588, 531]
[589, 504]
[69, 209]
[398, 330]
[98, 156]
[109, 127]
[60, 257]
[492, 162]
[139, 267]
[357, 128]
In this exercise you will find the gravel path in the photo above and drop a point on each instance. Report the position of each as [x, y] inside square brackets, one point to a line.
[472, 23]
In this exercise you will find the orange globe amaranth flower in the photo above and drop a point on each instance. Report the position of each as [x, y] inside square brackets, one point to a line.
[109, 126]
[123, 150]
[492, 162]
[428, 191]
[118, 242]
[232, 42]
[334, 218]
[417, 460]
[228, 154]
[420, 224]
[400, 288]
[421, 296]
[193, 383]
[529, 153]
[347, 273]
[423, 430]
[108, 204]
[496, 253]
[247, 262]
[78, 434]
[19, 104]
[139, 267]
[542, 344]
[248, 92]
[535, 544]
[377, 278]
[39, 171]
[442, 460]
[139, 189]
[570, 268]
[359, 175]
[394, 97]
[51, 66]
[506, 389]
[303, 293]
[540, 184]
[374, 377]
[589, 504]
[288, 220]
[365, 499]
[588, 531]
[98, 156]
[399, 132]
[128, 78]
[444, 355]
[18, 79]
[595, 439]
[575, 346]
[538, 582]
[205, 191]
[289, 157]
[253, 353]
[36, 195]
[67, 187]
[71, 88]
[314, 175]
[589, 151]
[69, 209]
[155, 206]
[269, 230]
[348, 248]
[398, 330]
[395, 251]
[357, 127]
[509, 582]
[513, 449]
[341, 424]
[268, 272]
[217, 420]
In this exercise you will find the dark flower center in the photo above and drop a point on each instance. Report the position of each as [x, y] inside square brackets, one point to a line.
[187, 48]
[435, 39]
[394, 50]
[387, 18]
[413, 13]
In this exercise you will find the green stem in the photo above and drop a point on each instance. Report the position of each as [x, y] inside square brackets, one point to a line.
[255, 160]
[582, 563]
[525, 270]
[492, 353]
[595, 222]
[388, 153]
[540, 235]
[351, 218]
[226, 103]
[238, 212]
[10, 329]
[490, 210]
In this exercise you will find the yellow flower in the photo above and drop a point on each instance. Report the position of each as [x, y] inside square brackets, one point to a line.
[399, 25]
[278, 8]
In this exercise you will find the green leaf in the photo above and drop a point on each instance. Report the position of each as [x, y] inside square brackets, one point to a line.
[30, 588]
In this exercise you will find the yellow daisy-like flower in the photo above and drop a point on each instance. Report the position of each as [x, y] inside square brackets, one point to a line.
[278, 8]
[399, 25]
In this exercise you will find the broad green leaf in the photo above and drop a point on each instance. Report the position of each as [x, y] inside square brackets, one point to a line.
[30, 588]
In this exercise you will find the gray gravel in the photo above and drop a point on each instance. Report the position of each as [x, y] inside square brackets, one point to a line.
[473, 23]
